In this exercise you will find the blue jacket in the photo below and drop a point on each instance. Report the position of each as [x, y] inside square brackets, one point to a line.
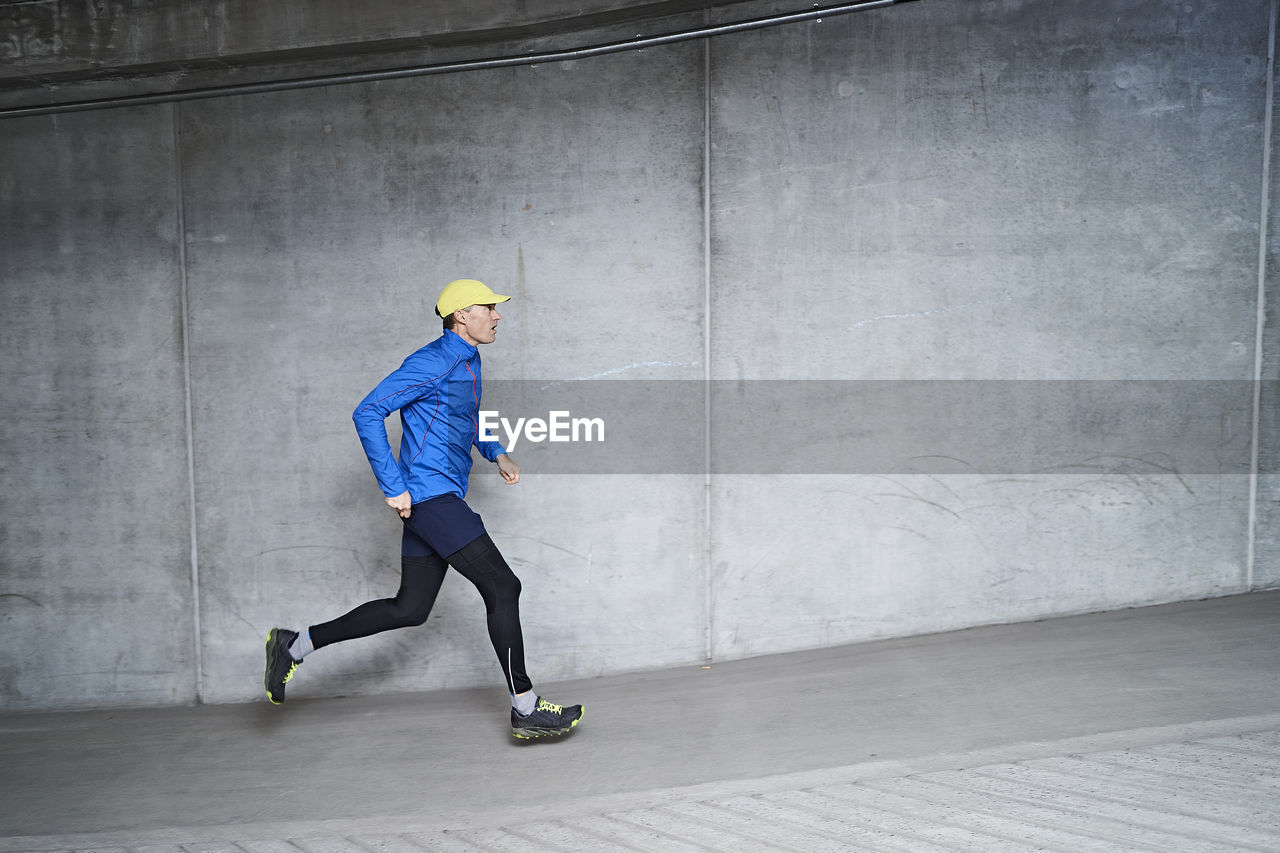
[437, 391]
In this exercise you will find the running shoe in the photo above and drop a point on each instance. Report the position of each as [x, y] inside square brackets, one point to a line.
[547, 720]
[280, 664]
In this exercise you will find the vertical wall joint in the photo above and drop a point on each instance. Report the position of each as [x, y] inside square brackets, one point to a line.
[707, 496]
[197, 654]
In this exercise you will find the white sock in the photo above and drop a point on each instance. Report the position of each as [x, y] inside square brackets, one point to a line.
[524, 703]
[301, 645]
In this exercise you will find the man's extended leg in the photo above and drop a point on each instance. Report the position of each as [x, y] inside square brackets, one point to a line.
[420, 579]
[481, 563]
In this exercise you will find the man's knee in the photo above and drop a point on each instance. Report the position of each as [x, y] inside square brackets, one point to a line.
[508, 586]
[408, 614]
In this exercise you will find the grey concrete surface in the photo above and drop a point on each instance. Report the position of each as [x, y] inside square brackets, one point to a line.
[1267, 571]
[1081, 175]
[1154, 728]
[46, 42]
[96, 533]
[943, 190]
[1102, 166]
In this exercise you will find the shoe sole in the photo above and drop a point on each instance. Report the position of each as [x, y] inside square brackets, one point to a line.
[534, 734]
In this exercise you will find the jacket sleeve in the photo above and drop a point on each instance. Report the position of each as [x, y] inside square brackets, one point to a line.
[490, 449]
[410, 382]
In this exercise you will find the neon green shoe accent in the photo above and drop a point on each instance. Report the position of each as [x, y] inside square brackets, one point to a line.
[285, 680]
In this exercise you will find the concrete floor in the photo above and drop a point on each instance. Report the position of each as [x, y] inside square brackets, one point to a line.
[1148, 729]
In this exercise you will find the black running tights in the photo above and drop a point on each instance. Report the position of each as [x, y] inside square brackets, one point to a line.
[420, 580]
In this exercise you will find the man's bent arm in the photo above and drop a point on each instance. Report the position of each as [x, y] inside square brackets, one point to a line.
[405, 385]
[372, 428]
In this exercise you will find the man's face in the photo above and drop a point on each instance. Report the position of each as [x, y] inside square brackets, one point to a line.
[478, 324]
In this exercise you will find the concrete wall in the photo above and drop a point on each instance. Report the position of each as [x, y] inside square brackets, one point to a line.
[96, 536]
[945, 190]
[983, 191]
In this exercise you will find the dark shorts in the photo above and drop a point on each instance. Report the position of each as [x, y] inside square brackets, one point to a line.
[440, 525]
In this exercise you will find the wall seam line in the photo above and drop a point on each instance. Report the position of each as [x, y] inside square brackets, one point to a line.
[707, 548]
[197, 644]
[1261, 300]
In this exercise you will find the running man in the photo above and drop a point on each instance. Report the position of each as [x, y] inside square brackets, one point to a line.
[437, 392]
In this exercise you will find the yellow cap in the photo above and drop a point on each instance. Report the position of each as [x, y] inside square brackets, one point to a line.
[463, 293]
